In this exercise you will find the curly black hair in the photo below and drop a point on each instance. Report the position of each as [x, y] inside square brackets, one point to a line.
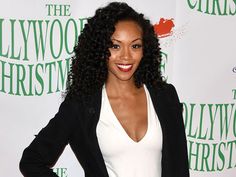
[89, 64]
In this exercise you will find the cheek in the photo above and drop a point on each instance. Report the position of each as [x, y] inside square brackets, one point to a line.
[113, 56]
[110, 62]
[138, 56]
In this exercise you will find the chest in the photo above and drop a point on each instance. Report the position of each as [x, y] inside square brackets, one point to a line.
[131, 113]
[117, 143]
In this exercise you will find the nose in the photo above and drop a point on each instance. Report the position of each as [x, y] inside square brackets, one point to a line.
[125, 53]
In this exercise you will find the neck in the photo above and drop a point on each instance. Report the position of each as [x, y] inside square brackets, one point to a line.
[121, 88]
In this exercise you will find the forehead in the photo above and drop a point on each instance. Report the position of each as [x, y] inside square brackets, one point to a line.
[127, 29]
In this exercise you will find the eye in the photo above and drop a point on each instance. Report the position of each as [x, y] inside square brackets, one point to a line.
[136, 46]
[115, 46]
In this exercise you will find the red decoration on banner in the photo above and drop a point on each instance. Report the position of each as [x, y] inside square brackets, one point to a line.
[164, 27]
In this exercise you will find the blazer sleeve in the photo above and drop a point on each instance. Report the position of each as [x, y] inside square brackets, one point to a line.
[45, 149]
[180, 143]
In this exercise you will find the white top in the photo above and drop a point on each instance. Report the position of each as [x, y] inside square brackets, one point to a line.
[123, 156]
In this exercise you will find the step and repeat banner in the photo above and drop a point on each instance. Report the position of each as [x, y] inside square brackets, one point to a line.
[198, 48]
[204, 73]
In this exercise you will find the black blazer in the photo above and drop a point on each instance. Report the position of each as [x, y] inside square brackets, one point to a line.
[75, 124]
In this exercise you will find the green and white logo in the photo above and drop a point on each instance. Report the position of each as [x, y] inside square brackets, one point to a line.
[214, 7]
[35, 54]
[211, 134]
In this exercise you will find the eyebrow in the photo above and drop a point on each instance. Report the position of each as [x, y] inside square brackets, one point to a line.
[121, 41]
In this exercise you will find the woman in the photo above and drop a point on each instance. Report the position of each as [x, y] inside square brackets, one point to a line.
[119, 116]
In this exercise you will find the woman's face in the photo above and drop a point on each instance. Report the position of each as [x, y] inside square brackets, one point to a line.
[126, 51]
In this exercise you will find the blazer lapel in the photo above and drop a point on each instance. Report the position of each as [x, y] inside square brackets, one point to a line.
[161, 109]
[92, 113]
[158, 103]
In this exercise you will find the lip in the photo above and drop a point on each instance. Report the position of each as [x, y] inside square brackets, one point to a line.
[124, 67]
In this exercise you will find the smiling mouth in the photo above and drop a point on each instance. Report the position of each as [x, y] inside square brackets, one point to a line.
[124, 67]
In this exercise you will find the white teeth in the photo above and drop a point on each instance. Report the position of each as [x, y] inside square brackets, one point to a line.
[124, 66]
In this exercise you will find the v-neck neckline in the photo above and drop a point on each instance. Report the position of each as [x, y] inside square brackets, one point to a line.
[120, 125]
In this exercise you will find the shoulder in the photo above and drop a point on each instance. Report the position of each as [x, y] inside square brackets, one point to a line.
[81, 105]
[171, 96]
[163, 89]
[69, 105]
[68, 112]
[166, 92]
[170, 90]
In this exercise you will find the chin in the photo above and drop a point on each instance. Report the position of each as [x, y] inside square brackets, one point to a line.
[127, 78]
